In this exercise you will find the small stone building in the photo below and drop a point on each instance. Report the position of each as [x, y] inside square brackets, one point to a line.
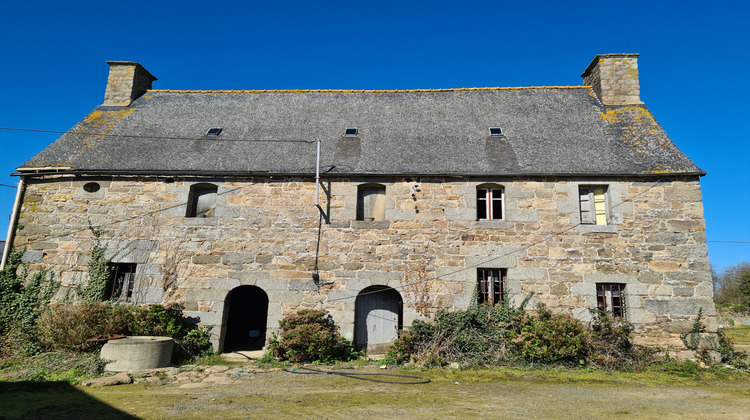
[426, 200]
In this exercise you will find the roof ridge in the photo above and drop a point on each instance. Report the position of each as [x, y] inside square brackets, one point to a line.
[366, 91]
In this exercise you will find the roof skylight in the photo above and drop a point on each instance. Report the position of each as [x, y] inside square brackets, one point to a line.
[213, 131]
[350, 132]
[496, 131]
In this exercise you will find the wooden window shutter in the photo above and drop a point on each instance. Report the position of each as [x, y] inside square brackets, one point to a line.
[588, 215]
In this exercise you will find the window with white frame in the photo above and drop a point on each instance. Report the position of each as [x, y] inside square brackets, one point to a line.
[490, 285]
[371, 202]
[593, 199]
[610, 298]
[490, 203]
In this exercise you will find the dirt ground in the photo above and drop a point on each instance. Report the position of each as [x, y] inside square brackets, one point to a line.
[450, 395]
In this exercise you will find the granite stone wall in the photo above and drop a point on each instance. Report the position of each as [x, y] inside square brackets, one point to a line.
[267, 233]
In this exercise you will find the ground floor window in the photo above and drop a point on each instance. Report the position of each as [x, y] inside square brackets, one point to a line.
[490, 285]
[609, 299]
[121, 283]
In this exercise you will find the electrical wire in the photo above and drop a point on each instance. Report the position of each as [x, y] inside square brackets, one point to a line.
[359, 376]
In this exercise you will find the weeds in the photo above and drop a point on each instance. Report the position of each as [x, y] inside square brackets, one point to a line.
[58, 366]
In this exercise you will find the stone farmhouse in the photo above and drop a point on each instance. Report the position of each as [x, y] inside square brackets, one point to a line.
[426, 200]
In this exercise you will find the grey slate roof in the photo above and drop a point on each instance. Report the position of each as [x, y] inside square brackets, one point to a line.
[548, 131]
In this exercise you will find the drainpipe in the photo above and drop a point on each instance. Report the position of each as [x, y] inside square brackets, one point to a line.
[13, 223]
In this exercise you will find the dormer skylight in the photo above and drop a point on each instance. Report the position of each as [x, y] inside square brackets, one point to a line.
[496, 131]
[213, 131]
[351, 132]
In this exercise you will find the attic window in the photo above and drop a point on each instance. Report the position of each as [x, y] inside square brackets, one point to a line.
[213, 131]
[496, 131]
[351, 132]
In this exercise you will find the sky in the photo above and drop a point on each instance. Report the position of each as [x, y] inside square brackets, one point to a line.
[694, 65]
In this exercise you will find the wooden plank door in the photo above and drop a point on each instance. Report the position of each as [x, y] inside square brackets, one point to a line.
[377, 319]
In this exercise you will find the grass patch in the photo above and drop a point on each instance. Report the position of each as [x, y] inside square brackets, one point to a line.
[68, 367]
[738, 335]
[211, 360]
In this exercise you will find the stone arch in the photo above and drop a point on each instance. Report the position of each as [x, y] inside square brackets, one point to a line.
[246, 314]
[378, 317]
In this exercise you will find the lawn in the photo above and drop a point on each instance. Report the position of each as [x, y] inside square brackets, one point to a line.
[489, 393]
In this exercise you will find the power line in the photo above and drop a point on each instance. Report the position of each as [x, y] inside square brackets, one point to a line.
[134, 136]
[730, 242]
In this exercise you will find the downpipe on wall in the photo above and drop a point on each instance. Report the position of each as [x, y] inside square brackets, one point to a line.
[13, 222]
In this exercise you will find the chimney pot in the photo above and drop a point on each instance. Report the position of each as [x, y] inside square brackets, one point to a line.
[126, 82]
[614, 78]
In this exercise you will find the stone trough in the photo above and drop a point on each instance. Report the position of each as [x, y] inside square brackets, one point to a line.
[137, 353]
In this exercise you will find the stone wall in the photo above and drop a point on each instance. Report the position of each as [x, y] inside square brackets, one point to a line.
[265, 233]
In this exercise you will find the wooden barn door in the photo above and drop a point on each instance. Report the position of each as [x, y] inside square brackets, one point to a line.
[378, 317]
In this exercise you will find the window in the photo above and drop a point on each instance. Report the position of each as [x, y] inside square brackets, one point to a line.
[496, 131]
[593, 201]
[490, 285]
[91, 187]
[490, 203]
[609, 299]
[202, 201]
[120, 287]
[371, 202]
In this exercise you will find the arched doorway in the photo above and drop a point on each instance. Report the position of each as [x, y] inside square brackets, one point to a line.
[378, 316]
[247, 314]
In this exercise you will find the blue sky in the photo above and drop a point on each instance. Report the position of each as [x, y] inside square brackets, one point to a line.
[694, 65]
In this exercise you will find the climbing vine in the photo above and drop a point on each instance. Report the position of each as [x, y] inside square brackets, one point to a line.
[100, 270]
[22, 298]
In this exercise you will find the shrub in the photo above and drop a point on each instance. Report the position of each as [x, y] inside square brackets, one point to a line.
[728, 354]
[478, 336]
[66, 327]
[546, 337]
[484, 335]
[609, 345]
[310, 336]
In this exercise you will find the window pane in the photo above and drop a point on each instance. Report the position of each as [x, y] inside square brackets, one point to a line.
[497, 208]
[205, 202]
[371, 203]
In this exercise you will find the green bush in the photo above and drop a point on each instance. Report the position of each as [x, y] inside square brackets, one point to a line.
[310, 336]
[478, 336]
[548, 338]
[485, 335]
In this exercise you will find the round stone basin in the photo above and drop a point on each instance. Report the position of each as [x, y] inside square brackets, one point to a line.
[137, 352]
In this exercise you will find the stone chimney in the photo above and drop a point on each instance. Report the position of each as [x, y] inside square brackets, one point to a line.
[126, 82]
[614, 78]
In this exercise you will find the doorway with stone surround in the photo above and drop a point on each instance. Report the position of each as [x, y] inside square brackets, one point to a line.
[246, 317]
[378, 318]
